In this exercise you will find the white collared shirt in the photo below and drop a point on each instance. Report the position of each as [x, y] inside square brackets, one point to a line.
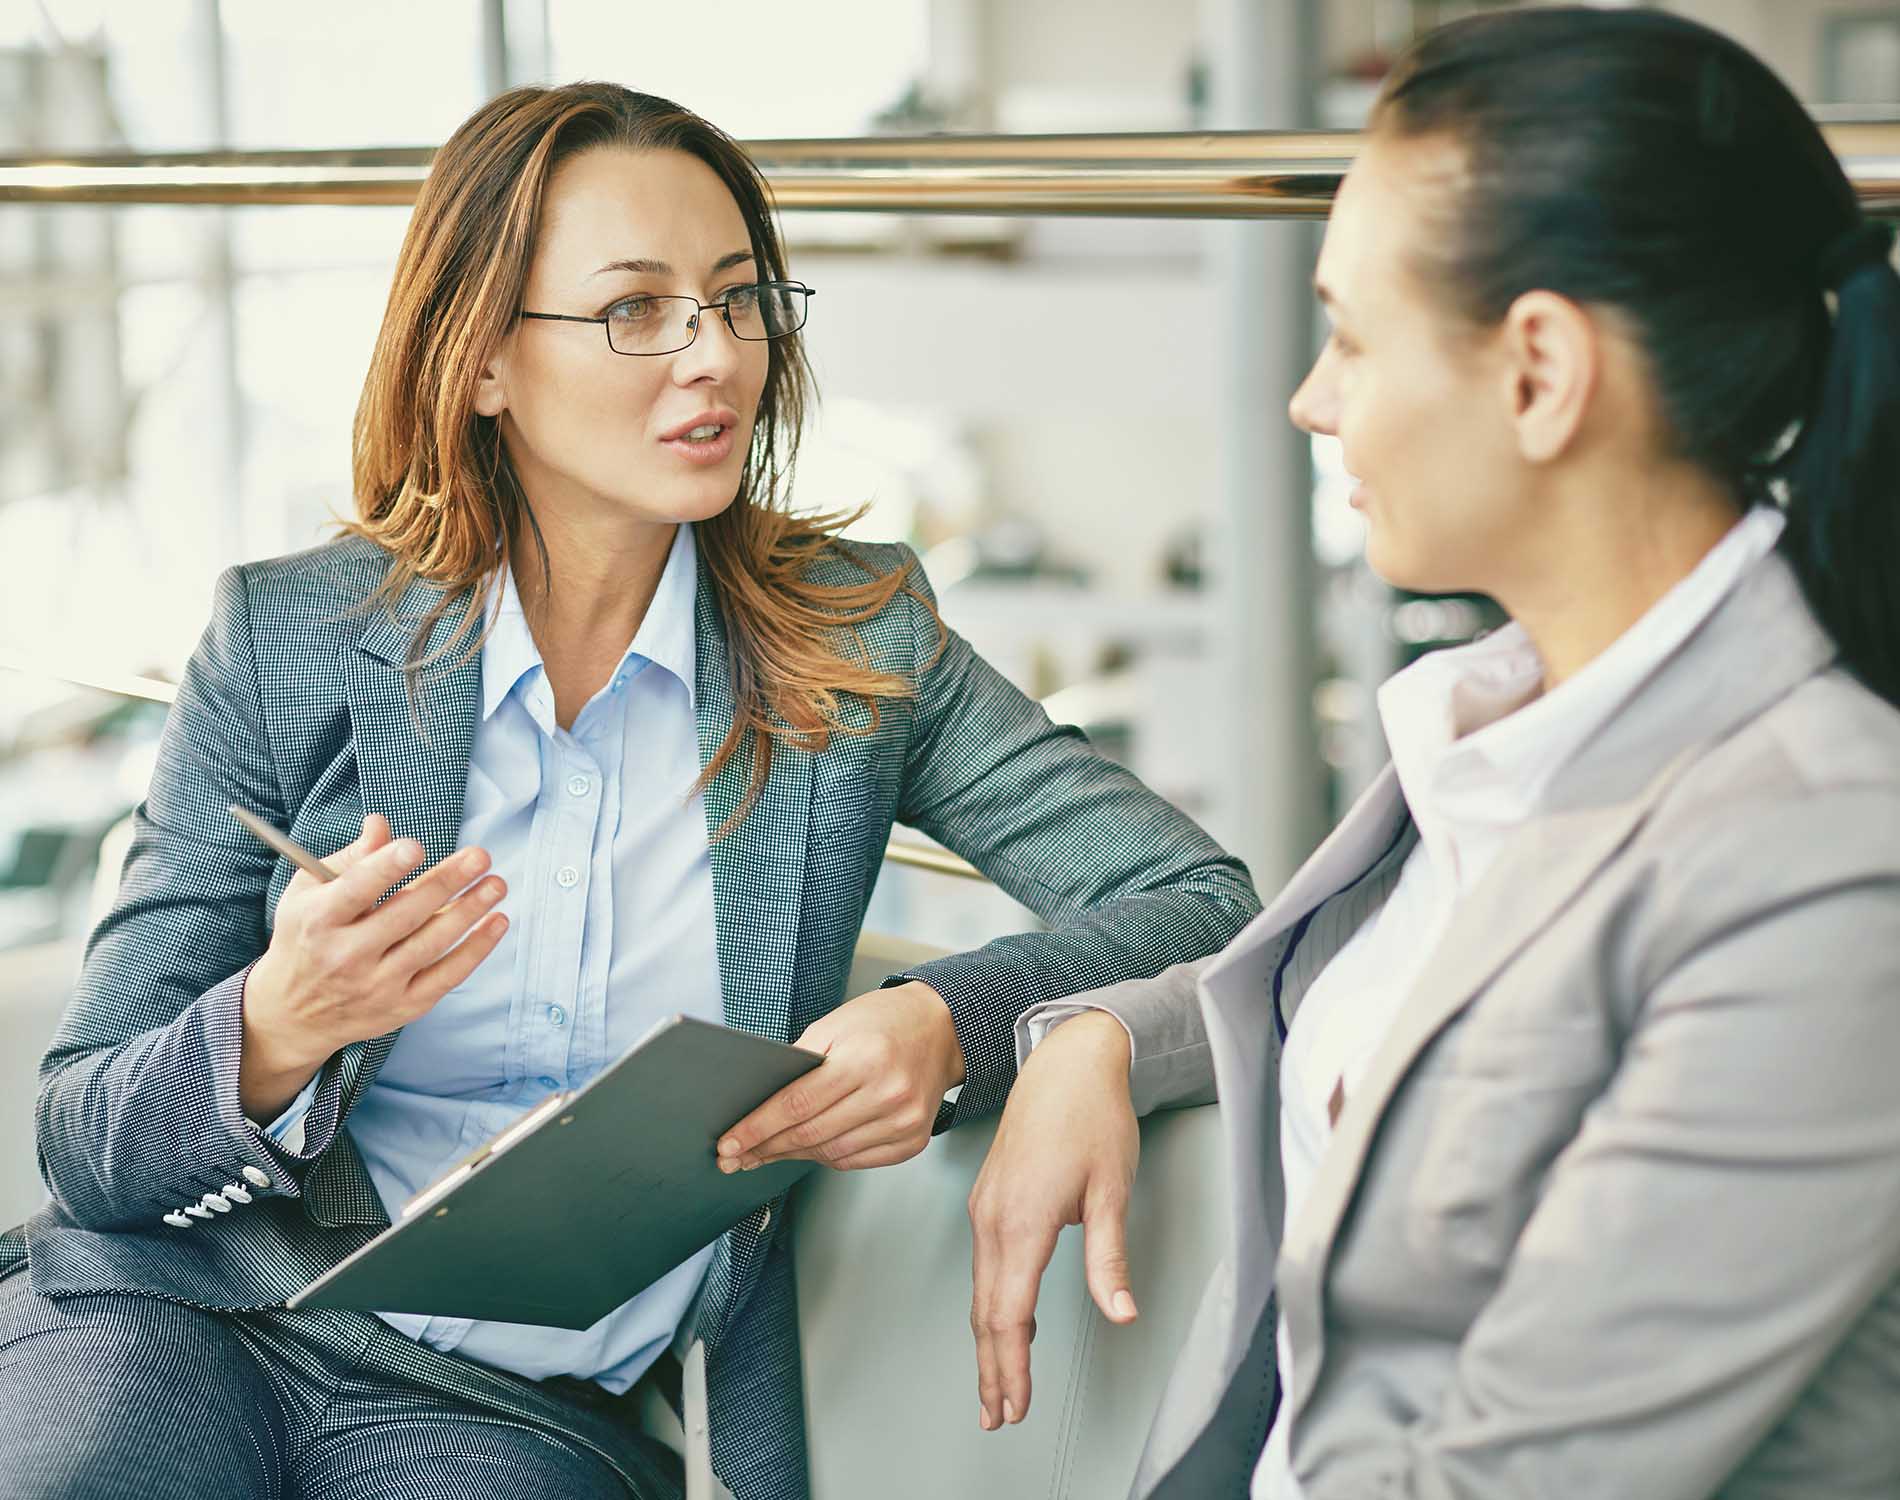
[1475, 750]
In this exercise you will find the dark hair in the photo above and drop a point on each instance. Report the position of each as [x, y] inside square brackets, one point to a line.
[1639, 161]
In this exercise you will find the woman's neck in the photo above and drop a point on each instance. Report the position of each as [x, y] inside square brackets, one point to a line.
[587, 606]
[594, 586]
[1600, 567]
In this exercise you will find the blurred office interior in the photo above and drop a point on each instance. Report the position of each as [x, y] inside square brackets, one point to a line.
[1078, 421]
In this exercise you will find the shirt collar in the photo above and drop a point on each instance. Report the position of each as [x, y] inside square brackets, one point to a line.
[1471, 709]
[666, 638]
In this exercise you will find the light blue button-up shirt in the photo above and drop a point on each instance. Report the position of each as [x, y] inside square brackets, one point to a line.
[602, 841]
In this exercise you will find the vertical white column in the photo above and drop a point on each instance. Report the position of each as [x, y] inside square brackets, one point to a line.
[494, 29]
[962, 74]
[1263, 60]
[242, 528]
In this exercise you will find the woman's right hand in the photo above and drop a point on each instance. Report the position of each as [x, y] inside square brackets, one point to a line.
[341, 967]
[1065, 1152]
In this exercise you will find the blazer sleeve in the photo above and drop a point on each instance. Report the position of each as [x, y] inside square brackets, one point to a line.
[1128, 884]
[1728, 1212]
[138, 1111]
[1169, 1064]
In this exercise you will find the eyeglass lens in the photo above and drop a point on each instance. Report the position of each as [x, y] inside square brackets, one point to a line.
[660, 325]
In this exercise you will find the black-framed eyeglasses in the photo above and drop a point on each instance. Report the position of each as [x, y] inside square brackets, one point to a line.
[645, 324]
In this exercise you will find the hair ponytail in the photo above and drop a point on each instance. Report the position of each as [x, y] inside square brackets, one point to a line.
[1843, 473]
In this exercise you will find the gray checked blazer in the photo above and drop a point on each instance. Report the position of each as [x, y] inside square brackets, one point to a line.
[1615, 1213]
[295, 706]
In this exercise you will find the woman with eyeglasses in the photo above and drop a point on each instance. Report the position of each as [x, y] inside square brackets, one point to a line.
[1561, 1088]
[600, 733]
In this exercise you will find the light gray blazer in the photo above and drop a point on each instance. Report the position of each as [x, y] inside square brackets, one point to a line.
[1616, 1211]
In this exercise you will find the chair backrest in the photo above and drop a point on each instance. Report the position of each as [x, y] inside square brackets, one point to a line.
[883, 1263]
[34, 986]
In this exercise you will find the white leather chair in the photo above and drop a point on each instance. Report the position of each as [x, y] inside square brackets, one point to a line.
[884, 1320]
[34, 985]
[883, 1290]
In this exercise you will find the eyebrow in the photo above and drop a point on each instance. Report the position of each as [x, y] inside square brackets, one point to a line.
[646, 267]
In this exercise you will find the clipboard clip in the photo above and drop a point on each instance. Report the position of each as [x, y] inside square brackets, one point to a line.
[532, 1121]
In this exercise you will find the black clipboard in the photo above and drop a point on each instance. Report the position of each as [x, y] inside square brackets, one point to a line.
[588, 1199]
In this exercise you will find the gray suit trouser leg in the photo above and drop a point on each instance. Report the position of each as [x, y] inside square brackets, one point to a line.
[122, 1397]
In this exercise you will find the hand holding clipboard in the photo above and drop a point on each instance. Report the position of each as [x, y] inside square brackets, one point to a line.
[564, 1187]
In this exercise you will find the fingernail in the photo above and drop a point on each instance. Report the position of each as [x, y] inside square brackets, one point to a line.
[984, 1419]
[728, 1167]
[1009, 1410]
[1124, 1305]
[729, 1146]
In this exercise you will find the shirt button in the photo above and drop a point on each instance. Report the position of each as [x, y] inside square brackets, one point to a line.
[256, 1178]
[547, 1082]
[577, 786]
[567, 877]
[557, 1016]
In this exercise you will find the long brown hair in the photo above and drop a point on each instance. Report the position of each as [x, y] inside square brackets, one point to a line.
[434, 485]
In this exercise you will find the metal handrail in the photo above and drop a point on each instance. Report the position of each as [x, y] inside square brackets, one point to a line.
[1195, 174]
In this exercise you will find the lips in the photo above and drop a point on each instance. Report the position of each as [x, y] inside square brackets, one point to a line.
[706, 442]
[718, 417]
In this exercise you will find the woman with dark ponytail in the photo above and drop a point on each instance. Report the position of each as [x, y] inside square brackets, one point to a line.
[1562, 1086]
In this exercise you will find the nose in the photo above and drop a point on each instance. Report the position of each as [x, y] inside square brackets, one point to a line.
[714, 353]
[1315, 405]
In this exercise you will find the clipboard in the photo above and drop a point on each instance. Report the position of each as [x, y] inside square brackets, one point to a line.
[589, 1198]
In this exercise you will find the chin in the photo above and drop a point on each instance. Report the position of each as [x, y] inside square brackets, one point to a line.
[707, 503]
[1384, 559]
[1416, 575]
[699, 498]
[1401, 569]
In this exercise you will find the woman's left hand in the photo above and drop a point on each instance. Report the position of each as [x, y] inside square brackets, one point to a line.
[890, 1056]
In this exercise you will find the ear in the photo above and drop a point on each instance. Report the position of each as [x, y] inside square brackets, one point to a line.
[491, 398]
[1551, 361]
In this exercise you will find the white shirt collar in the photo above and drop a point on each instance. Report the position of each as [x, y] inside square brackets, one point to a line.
[666, 637]
[1462, 720]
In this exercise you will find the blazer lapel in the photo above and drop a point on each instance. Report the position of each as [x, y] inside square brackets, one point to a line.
[1344, 855]
[415, 776]
[1758, 646]
[1237, 1004]
[758, 869]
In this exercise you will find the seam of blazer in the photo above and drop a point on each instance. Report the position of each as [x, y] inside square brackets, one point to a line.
[1774, 729]
[257, 696]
